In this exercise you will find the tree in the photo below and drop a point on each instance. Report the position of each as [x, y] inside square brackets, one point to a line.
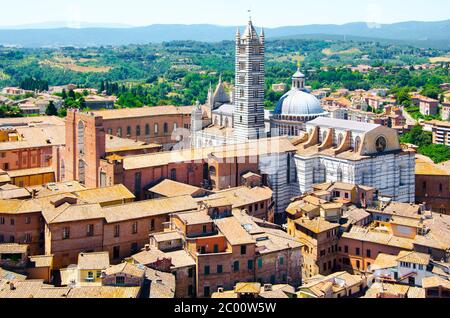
[64, 94]
[51, 109]
[72, 94]
[431, 91]
[403, 97]
[417, 137]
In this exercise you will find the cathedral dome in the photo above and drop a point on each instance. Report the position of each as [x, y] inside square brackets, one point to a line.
[299, 103]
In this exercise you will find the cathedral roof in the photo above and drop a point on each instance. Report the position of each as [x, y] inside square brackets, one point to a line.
[250, 32]
[299, 103]
[226, 109]
[298, 74]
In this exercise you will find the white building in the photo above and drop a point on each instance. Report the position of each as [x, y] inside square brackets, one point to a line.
[408, 267]
[336, 150]
[327, 149]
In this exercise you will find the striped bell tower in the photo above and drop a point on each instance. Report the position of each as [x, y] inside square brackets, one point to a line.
[249, 85]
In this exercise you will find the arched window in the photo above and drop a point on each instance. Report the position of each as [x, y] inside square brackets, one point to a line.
[324, 136]
[340, 175]
[340, 139]
[175, 126]
[383, 177]
[119, 132]
[226, 122]
[63, 170]
[403, 175]
[138, 130]
[212, 171]
[128, 131]
[156, 129]
[147, 130]
[166, 128]
[366, 178]
[81, 128]
[173, 174]
[319, 174]
[81, 172]
[357, 143]
[110, 131]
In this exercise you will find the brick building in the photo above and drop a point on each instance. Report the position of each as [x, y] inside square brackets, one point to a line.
[433, 186]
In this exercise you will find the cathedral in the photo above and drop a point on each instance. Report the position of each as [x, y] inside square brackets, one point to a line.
[240, 117]
[324, 149]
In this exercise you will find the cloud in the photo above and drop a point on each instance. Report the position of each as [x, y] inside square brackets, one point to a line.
[374, 14]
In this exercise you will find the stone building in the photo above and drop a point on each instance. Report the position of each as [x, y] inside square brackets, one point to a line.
[356, 153]
[433, 186]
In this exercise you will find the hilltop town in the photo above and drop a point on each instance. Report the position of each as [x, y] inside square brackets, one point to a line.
[324, 192]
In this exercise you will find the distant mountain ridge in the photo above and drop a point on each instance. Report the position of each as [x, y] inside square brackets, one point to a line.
[420, 32]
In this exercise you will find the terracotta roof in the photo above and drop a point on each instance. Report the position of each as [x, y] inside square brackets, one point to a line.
[435, 281]
[162, 285]
[406, 221]
[238, 197]
[167, 236]
[247, 288]
[142, 209]
[414, 257]
[13, 248]
[18, 193]
[10, 276]
[104, 292]
[152, 111]
[317, 225]
[127, 269]
[194, 217]
[146, 257]
[169, 188]
[232, 229]
[402, 209]
[30, 172]
[378, 237]
[394, 289]
[181, 259]
[54, 188]
[430, 169]
[356, 215]
[73, 213]
[254, 148]
[93, 261]
[32, 289]
[105, 195]
[36, 137]
[117, 144]
[384, 261]
[333, 283]
[42, 260]
[342, 186]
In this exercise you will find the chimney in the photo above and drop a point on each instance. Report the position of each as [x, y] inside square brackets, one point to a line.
[11, 286]
[267, 287]
[147, 247]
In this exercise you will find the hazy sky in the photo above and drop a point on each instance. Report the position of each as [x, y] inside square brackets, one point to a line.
[269, 13]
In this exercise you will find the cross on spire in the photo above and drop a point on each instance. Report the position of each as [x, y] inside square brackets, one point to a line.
[299, 60]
